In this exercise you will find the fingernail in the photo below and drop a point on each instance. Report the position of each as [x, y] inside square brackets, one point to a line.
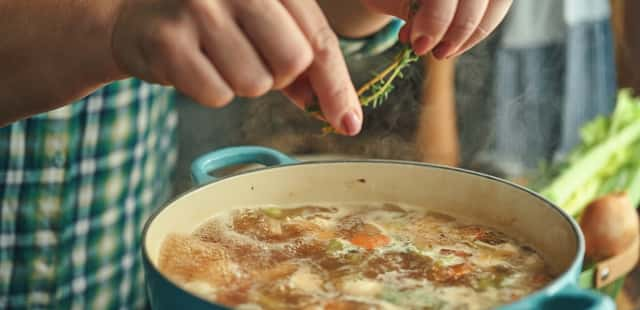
[421, 45]
[442, 50]
[351, 123]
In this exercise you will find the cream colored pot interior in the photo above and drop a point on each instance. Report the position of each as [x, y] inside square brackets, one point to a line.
[482, 199]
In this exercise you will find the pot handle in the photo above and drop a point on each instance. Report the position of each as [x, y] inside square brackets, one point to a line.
[204, 165]
[571, 297]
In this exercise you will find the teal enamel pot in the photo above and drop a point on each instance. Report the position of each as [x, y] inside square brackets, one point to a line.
[494, 202]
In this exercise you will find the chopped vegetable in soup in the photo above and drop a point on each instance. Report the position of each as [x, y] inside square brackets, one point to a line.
[382, 256]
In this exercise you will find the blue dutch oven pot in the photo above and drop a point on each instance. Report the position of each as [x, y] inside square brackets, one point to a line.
[495, 202]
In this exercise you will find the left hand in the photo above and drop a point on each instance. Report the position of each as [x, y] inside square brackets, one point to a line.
[446, 27]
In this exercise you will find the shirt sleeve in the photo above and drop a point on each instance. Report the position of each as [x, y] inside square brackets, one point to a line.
[374, 44]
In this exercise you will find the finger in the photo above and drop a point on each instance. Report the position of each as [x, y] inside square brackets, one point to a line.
[288, 54]
[403, 36]
[180, 62]
[230, 51]
[495, 13]
[328, 73]
[300, 91]
[397, 8]
[467, 18]
[197, 78]
[430, 24]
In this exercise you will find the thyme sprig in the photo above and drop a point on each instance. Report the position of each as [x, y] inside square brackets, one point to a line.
[377, 90]
[374, 92]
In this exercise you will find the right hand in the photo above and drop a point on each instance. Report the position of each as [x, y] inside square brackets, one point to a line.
[448, 27]
[215, 50]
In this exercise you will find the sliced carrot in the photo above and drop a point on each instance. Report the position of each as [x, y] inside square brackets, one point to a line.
[369, 241]
[449, 274]
[460, 270]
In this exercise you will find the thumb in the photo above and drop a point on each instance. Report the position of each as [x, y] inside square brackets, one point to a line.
[397, 8]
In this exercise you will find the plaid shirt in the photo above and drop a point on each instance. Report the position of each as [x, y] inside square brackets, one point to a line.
[76, 186]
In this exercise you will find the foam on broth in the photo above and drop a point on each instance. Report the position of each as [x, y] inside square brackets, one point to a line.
[357, 256]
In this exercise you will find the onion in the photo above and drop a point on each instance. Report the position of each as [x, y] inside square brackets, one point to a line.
[610, 225]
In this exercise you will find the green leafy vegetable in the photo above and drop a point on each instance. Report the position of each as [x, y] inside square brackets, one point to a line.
[607, 160]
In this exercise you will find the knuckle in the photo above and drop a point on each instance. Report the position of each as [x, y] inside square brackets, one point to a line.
[161, 41]
[159, 51]
[206, 14]
[463, 27]
[438, 20]
[292, 66]
[324, 43]
[482, 31]
[337, 94]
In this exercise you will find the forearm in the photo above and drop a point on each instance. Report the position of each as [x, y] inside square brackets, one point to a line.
[437, 136]
[52, 53]
[352, 19]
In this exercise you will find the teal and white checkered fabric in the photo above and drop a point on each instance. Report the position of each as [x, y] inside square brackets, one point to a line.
[76, 186]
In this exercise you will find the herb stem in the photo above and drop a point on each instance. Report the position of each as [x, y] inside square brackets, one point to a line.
[395, 72]
[379, 87]
[381, 75]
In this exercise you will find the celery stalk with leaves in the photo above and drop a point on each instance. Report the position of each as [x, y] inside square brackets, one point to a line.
[607, 160]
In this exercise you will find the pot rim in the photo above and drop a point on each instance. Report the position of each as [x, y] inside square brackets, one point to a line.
[552, 287]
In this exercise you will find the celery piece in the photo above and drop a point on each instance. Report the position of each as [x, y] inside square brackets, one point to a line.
[588, 166]
[581, 198]
[633, 189]
[595, 131]
[275, 213]
[617, 182]
[627, 111]
[334, 246]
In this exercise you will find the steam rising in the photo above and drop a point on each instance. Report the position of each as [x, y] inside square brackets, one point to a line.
[389, 130]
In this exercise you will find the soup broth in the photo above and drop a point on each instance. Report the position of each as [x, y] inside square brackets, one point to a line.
[357, 256]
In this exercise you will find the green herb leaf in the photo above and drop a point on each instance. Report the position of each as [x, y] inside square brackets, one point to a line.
[334, 246]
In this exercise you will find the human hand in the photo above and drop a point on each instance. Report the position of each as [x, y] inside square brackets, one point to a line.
[448, 28]
[215, 50]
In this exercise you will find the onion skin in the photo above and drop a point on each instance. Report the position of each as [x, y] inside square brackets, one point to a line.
[610, 225]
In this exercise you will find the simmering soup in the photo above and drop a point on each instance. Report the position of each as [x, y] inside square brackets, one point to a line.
[373, 256]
